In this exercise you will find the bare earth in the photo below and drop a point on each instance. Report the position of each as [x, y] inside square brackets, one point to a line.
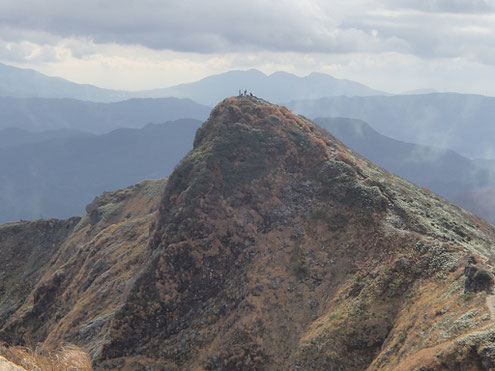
[490, 302]
[9, 366]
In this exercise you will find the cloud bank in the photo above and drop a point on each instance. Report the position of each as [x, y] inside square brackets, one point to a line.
[42, 32]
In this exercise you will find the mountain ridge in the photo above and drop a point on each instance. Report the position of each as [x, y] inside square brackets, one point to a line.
[443, 171]
[270, 246]
[277, 87]
[23, 83]
[26, 83]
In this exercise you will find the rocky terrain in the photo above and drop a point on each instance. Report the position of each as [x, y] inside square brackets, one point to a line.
[271, 246]
[465, 182]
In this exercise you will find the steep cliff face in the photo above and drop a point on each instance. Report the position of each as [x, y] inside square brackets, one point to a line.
[273, 247]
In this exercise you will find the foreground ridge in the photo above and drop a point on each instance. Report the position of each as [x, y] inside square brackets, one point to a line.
[271, 246]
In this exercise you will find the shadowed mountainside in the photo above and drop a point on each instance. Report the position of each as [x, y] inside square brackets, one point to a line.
[58, 177]
[481, 200]
[12, 137]
[39, 114]
[272, 246]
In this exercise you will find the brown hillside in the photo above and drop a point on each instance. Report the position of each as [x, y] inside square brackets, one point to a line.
[274, 248]
[88, 276]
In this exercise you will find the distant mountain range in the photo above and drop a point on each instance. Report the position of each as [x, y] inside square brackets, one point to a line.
[420, 91]
[41, 114]
[279, 87]
[58, 177]
[461, 122]
[27, 83]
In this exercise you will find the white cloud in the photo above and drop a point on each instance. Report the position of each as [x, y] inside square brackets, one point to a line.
[193, 26]
[135, 44]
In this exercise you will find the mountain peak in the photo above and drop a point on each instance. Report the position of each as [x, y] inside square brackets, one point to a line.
[274, 246]
[246, 110]
[247, 135]
[269, 214]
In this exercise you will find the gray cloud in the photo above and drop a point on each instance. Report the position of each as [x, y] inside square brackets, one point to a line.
[434, 35]
[193, 26]
[425, 28]
[445, 6]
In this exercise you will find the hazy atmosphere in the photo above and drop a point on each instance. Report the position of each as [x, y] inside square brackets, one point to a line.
[389, 45]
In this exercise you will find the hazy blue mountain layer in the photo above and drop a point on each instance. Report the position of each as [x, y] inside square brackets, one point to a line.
[481, 200]
[58, 177]
[279, 86]
[23, 83]
[40, 114]
[463, 123]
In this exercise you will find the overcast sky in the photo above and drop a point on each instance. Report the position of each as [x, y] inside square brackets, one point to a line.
[392, 45]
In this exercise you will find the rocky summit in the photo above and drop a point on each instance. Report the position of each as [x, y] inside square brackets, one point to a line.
[271, 246]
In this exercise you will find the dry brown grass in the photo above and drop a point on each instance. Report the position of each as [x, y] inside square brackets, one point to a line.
[478, 221]
[68, 357]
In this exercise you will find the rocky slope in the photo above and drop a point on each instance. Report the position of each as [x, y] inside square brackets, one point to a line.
[272, 247]
[460, 180]
[81, 278]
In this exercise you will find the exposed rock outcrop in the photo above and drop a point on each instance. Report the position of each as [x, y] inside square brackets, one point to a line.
[477, 279]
